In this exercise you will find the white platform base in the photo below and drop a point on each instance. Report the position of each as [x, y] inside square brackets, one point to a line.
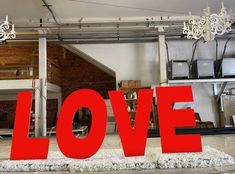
[114, 160]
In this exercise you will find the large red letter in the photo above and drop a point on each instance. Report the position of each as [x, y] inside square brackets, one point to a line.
[71, 146]
[22, 147]
[133, 139]
[169, 119]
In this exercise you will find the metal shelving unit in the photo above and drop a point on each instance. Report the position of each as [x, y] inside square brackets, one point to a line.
[204, 81]
[219, 85]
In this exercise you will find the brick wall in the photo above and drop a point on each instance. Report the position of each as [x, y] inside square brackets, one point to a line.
[9, 107]
[76, 74]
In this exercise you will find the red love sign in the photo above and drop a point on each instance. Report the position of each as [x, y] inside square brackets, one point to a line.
[133, 139]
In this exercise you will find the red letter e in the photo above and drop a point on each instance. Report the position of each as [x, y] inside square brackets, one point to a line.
[169, 119]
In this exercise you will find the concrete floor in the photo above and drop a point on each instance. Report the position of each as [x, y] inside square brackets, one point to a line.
[224, 143]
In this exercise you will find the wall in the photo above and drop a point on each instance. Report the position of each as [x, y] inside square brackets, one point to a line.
[76, 73]
[18, 55]
[129, 61]
[26, 56]
[9, 107]
[140, 61]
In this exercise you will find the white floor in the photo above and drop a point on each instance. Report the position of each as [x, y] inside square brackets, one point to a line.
[224, 143]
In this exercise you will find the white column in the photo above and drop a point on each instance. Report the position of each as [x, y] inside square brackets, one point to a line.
[38, 108]
[59, 102]
[162, 53]
[43, 78]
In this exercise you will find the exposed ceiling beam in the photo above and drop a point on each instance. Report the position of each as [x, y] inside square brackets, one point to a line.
[107, 31]
[99, 41]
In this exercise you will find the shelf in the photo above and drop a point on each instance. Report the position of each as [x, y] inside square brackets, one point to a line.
[130, 99]
[130, 89]
[17, 77]
[17, 66]
[197, 81]
[152, 129]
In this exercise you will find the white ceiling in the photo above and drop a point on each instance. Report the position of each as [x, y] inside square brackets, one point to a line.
[131, 8]
[75, 9]
[23, 9]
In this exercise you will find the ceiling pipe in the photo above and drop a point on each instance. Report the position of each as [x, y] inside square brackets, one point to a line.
[104, 35]
[30, 42]
[96, 40]
[51, 11]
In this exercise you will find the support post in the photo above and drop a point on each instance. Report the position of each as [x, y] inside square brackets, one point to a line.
[37, 108]
[215, 89]
[221, 91]
[162, 53]
[59, 102]
[43, 79]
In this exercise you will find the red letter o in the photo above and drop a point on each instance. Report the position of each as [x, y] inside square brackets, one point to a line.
[71, 146]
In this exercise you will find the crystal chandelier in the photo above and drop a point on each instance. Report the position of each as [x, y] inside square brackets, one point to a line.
[7, 30]
[209, 25]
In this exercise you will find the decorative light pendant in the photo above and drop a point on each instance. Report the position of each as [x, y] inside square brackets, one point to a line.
[209, 25]
[7, 30]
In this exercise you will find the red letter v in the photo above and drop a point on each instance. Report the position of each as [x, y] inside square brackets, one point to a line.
[133, 139]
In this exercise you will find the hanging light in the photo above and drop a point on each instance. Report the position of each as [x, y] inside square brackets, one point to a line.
[7, 30]
[208, 25]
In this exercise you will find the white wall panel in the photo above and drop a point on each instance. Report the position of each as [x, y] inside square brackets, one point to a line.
[138, 61]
